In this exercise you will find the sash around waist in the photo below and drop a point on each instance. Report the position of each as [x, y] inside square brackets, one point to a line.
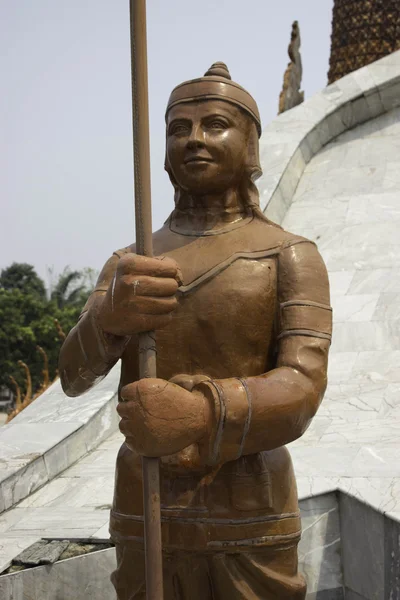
[254, 489]
[210, 534]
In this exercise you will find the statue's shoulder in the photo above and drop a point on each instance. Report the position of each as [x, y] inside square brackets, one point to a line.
[265, 231]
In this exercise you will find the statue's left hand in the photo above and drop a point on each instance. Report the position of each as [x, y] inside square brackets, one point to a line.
[159, 418]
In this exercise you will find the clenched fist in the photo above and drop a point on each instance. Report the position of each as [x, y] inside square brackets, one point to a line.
[140, 297]
[160, 418]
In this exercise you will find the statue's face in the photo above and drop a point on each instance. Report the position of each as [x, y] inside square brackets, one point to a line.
[206, 145]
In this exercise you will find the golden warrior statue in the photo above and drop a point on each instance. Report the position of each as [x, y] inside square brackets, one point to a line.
[243, 322]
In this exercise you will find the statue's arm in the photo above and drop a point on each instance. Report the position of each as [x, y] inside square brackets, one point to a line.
[273, 409]
[88, 353]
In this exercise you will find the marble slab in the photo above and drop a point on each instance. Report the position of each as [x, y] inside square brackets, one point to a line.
[363, 551]
[77, 578]
[357, 98]
[51, 434]
[334, 594]
[353, 443]
[320, 545]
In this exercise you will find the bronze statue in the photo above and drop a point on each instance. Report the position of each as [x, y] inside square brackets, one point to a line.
[243, 325]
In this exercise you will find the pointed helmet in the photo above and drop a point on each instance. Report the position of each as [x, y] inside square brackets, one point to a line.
[216, 84]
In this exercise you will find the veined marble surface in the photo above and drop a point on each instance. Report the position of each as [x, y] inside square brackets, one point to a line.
[51, 434]
[291, 140]
[348, 202]
[75, 504]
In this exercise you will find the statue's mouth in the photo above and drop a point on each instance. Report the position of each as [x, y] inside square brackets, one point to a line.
[197, 159]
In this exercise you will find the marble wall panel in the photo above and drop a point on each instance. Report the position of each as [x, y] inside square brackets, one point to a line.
[313, 140]
[385, 72]
[276, 208]
[326, 461]
[352, 308]
[361, 111]
[50, 435]
[339, 281]
[53, 406]
[367, 336]
[379, 256]
[2, 501]
[363, 551]
[357, 98]
[319, 549]
[306, 150]
[273, 155]
[73, 579]
[335, 594]
[66, 453]
[23, 482]
[340, 366]
[392, 560]
[374, 102]
[377, 366]
[391, 179]
[102, 425]
[351, 595]
[373, 208]
[364, 80]
[375, 460]
[287, 185]
[378, 280]
[318, 215]
[387, 308]
[267, 186]
[390, 95]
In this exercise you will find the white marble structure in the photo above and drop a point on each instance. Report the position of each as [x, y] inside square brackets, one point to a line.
[331, 173]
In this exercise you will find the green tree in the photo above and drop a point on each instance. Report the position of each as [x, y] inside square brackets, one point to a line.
[21, 276]
[68, 290]
[27, 317]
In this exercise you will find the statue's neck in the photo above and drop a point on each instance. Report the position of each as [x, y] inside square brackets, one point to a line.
[209, 212]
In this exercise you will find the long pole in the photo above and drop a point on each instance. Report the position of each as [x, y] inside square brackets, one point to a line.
[144, 246]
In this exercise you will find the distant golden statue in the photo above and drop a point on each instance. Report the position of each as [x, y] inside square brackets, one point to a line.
[291, 95]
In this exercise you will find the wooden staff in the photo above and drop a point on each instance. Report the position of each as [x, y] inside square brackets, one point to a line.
[144, 246]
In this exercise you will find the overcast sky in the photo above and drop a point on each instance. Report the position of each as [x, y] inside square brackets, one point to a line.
[65, 113]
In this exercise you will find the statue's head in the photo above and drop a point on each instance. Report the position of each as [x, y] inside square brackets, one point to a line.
[213, 126]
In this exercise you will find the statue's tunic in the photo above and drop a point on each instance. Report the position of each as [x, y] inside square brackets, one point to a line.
[249, 321]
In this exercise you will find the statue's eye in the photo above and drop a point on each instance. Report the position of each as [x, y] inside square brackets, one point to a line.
[217, 124]
[178, 128]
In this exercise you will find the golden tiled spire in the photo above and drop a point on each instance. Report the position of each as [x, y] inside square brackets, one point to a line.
[362, 31]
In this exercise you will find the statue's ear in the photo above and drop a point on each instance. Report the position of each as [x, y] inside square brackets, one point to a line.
[167, 168]
[170, 173]
[253, 166]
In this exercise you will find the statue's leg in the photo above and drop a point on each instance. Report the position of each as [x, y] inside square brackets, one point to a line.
[269, 573]
[186, 575]
[129, 576]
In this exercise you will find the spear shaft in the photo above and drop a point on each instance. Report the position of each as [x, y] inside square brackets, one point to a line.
[144, 246]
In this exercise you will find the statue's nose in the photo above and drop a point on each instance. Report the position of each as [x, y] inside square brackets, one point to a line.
[196, 138]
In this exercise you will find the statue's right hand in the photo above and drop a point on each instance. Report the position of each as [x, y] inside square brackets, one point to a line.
[141, 296]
